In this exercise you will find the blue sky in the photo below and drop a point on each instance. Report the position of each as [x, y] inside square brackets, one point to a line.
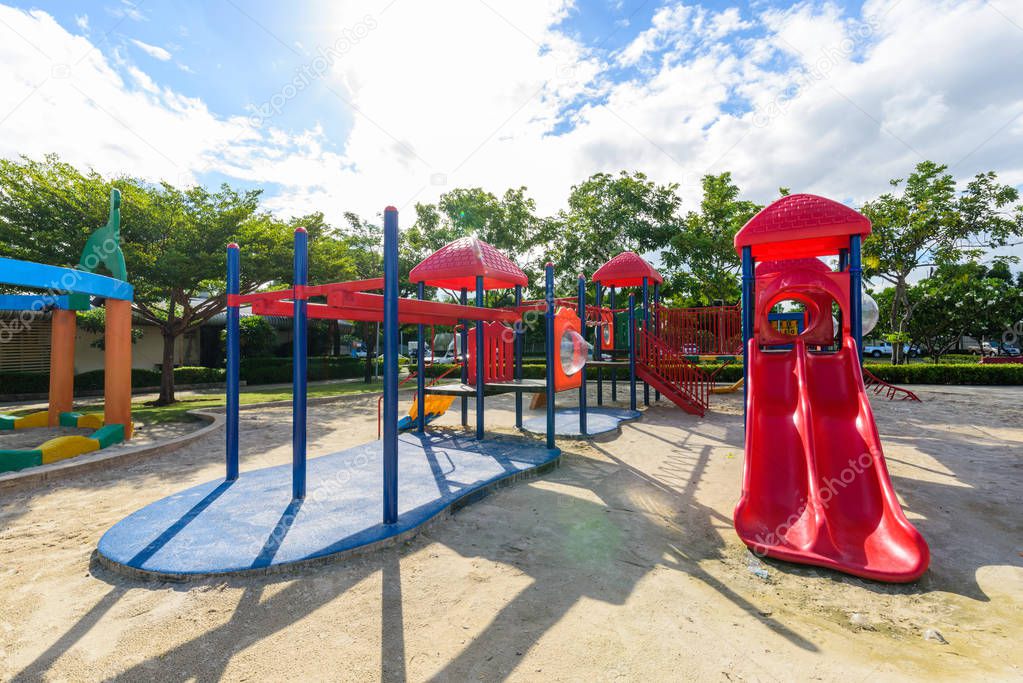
[355, 104]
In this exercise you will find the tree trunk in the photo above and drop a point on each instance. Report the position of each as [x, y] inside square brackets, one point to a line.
[167, 372]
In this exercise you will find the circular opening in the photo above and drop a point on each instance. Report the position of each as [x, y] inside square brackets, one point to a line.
[788, 317]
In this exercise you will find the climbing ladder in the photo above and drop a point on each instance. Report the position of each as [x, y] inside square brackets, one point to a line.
[872, 382]
[671, 373]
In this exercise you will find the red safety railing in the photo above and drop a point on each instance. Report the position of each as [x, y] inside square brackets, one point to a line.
[671, 373]
[709, 330]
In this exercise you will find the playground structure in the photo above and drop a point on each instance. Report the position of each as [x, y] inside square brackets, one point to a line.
[807, 417]
[65, 291]
[815, 486]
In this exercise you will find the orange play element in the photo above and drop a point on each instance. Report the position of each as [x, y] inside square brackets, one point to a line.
[62, 364]
[571, 350]
[117, 359]
[607, 329]
[498, 353]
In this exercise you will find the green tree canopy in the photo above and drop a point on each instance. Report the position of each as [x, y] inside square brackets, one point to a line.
[930, 223]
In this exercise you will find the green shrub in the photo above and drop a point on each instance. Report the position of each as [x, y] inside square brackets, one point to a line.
[275, 370]
[23, 383]
[198, 375]
[950, 373]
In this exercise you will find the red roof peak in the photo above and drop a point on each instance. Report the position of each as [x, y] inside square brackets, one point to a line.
[801, 225]
[459, 263]
[626, 270]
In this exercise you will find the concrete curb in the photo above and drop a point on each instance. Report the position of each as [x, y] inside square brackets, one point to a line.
[92, 462]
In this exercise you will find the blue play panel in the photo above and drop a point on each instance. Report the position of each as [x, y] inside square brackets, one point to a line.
[253, 523]
[566, 422]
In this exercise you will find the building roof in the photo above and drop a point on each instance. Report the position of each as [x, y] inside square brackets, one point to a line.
[626, 270]
[801, 225]
[458, 264]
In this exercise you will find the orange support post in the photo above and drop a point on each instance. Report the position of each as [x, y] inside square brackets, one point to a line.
[62, 365]
[117, 361]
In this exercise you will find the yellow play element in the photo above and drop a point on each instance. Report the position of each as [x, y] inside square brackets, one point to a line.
[40, 419]
[730, 389]
[90, 421]
[435, 405]
[67, 447]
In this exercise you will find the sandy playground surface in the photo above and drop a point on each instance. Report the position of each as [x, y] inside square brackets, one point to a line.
[622, 564]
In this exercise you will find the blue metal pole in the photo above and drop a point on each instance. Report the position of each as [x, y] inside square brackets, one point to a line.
[598, 345]
[582, 327]
[856, 293]
[657, 323]
[519, 332]
[299, 352]
[421, 367]
[233, 352]
[614, 356]
[464, 335]
[843, 260]
[480, 353]
[747, 321]
[646, 328]
[390, 365]
[550, 347]
[632, 351]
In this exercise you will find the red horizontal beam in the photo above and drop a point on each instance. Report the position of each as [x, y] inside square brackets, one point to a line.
[414, 307]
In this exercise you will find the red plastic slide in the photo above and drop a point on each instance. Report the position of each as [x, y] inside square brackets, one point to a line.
[815, 486]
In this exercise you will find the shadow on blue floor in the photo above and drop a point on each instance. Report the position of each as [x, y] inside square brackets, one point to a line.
[566, 422]
[253, 523]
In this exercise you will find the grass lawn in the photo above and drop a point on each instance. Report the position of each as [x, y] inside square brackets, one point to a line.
[178, 411]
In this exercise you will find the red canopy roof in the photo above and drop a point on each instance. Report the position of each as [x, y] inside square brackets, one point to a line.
[626, 270]
[814, 264]
[801, 225]
[457, 265]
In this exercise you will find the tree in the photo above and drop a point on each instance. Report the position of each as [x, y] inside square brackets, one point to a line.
[607, 214]
[174, 240]
[929, 223]
[701, 256]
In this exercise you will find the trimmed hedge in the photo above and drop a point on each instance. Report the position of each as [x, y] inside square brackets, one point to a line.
[274, 370]
[39, 382]
[950, 373]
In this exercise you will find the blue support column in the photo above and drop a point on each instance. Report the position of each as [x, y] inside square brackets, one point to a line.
[856, 293]
[582, 327]
[464, 337]
[299, 350]
[598, 345]
[646, 328]
[480, 357]
[843, 260]
[632, 351]
[657, 323]
[747, 321]
[233, 354]
[614, 356]
[390, 329]
[550, 350]
[519, 332]
[421, 367]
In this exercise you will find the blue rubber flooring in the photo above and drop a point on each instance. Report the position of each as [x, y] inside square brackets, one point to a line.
[253, 523]
[566, 421]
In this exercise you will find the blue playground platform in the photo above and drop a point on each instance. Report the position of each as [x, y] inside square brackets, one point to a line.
[252, 523]
[566, 422]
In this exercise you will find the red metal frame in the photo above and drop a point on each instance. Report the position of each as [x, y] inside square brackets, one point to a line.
[672, 373]
[498, 353]
[709, 330]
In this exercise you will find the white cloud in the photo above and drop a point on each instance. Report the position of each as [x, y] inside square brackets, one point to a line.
[808, 98]
[154, 51]
[82, 22]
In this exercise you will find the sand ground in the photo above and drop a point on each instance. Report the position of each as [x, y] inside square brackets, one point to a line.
[622, 564]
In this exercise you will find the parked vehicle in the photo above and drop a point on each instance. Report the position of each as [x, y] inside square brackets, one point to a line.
[1010, 350]
[883, 348]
